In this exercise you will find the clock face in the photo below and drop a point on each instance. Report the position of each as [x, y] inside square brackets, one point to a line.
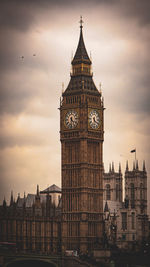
[71, 119]
[94, 119]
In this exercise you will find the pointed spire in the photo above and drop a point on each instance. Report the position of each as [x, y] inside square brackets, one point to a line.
[11, 198]
[18, 197]
[109, 167]
[113, 167]
[144, 169]
[119, 167]
[133, 165]
[81, 55]
[4, 202]
[137, 165]
[127, 167]
[37, 191]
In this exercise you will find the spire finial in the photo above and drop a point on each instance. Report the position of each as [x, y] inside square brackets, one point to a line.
[81, 22]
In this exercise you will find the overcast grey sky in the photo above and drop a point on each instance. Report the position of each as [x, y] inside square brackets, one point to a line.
[118, 35]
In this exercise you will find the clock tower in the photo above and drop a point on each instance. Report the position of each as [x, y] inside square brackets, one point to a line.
[81, 135]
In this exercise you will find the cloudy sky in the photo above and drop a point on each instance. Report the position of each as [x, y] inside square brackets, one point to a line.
[117, 33]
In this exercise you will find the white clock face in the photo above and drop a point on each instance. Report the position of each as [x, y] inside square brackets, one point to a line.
[71, 119]
[94, 119]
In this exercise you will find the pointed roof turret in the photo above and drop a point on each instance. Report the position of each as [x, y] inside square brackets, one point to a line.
[37, 190]
[113, 167]
[133, 165]
[4, 202]
[81, 55]
[109, 167]
[11, 199]
[127, 167]
[144, 169]
[119, 167]
[137, 165]
[81, 73]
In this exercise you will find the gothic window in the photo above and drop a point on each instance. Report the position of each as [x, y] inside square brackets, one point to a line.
[124, 220]
[108, 194]
[133, 220]
[132, 196]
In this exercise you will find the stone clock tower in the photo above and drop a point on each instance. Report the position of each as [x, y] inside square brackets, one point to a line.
[81, 134]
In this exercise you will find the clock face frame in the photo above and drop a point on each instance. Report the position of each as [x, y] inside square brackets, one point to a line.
[94, 119]
[71, 119]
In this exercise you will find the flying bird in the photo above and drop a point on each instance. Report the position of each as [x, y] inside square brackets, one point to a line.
[22, 57]
[34, 55]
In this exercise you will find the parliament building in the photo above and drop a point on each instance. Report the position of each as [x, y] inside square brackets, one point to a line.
[88, 212]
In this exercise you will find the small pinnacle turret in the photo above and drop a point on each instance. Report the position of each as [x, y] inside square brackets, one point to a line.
[144, 169]
[127, 167]
[11, 199]
[133, 165]
[113, 167]
[119, 167]
[4, 202]
[110, 167]
[37, 191]
[137, 165]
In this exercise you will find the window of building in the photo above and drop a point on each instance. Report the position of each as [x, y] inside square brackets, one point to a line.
[108, 192]
[123, 237]
[124, 220]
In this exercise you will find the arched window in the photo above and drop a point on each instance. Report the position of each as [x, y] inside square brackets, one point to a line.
[108, 195]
